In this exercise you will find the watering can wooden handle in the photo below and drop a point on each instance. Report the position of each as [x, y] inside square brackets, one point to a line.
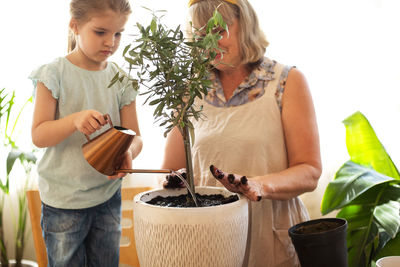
[108, 119]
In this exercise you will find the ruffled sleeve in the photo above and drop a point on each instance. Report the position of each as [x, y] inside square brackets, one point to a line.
[49, 75]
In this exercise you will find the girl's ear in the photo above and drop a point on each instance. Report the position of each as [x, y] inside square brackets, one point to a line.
[73, 25]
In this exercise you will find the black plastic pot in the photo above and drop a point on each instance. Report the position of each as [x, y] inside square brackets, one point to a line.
[320, 242]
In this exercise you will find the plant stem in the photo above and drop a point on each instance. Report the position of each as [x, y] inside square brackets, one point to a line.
[188, 154]
[20, 235]
[3, 249]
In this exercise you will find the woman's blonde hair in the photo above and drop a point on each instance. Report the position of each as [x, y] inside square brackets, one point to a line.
[251, 38]
[82, 10]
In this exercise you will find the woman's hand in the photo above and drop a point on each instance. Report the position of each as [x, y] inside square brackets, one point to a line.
[126, 163]
[172, 180]
[238, 184]
[89, 121]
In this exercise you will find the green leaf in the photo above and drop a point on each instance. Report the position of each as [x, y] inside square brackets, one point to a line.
[5, 186]
[391, 192]
[350, 182]
[388, 217]
[155, 101]
[12, 156]
[384, 238]
[358, 245]
[130, 61]
[218, 20]
[10, 104]
[15, 153]
[390, 249]
[362, 233]
[357, 216]
[153, 25]
[365, 148]
[126, 49]
[158, 110]
[114, 80]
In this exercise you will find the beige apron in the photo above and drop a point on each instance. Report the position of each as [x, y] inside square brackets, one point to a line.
[249, 140]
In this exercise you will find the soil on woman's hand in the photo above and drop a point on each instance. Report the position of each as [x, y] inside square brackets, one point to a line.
[319, 227]
[184, 201]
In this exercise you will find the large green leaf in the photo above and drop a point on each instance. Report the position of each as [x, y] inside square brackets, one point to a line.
[350, 182]
[359, 245]
[388, 217]
[365, 148]
[391, 192]
[392, 248]
[357, 216]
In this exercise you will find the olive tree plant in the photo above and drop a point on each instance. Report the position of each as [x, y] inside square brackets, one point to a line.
[173, 71]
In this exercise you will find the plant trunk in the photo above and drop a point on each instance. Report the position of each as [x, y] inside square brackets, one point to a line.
[188, 154]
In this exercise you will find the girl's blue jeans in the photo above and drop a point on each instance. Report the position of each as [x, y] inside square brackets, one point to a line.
[83, 237]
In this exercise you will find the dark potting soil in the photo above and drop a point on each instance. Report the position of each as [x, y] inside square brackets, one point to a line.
[319, 227]
[181, 201]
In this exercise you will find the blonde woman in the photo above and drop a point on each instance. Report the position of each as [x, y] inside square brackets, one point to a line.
[260, 135]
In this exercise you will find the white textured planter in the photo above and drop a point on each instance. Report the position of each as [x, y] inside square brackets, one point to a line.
[205, 236]
[25, 263]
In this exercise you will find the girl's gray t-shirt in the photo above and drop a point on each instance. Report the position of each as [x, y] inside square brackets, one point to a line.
[66, 180]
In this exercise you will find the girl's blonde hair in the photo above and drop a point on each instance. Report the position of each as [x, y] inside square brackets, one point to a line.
[251, 38]
[82, 10]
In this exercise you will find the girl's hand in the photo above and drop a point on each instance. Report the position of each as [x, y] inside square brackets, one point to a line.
[238, 184]
[126, 163]
[89, 121]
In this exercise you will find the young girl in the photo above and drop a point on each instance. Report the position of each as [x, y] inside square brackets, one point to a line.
[81, 207]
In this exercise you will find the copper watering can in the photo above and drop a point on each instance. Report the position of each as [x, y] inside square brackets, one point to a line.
[104, 152]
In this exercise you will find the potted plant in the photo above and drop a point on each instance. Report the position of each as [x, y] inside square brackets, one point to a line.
[27, 159]
[366, 192]
[174, 72]
[320, 242]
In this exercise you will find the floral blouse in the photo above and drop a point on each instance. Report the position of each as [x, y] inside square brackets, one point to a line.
[251, 88]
